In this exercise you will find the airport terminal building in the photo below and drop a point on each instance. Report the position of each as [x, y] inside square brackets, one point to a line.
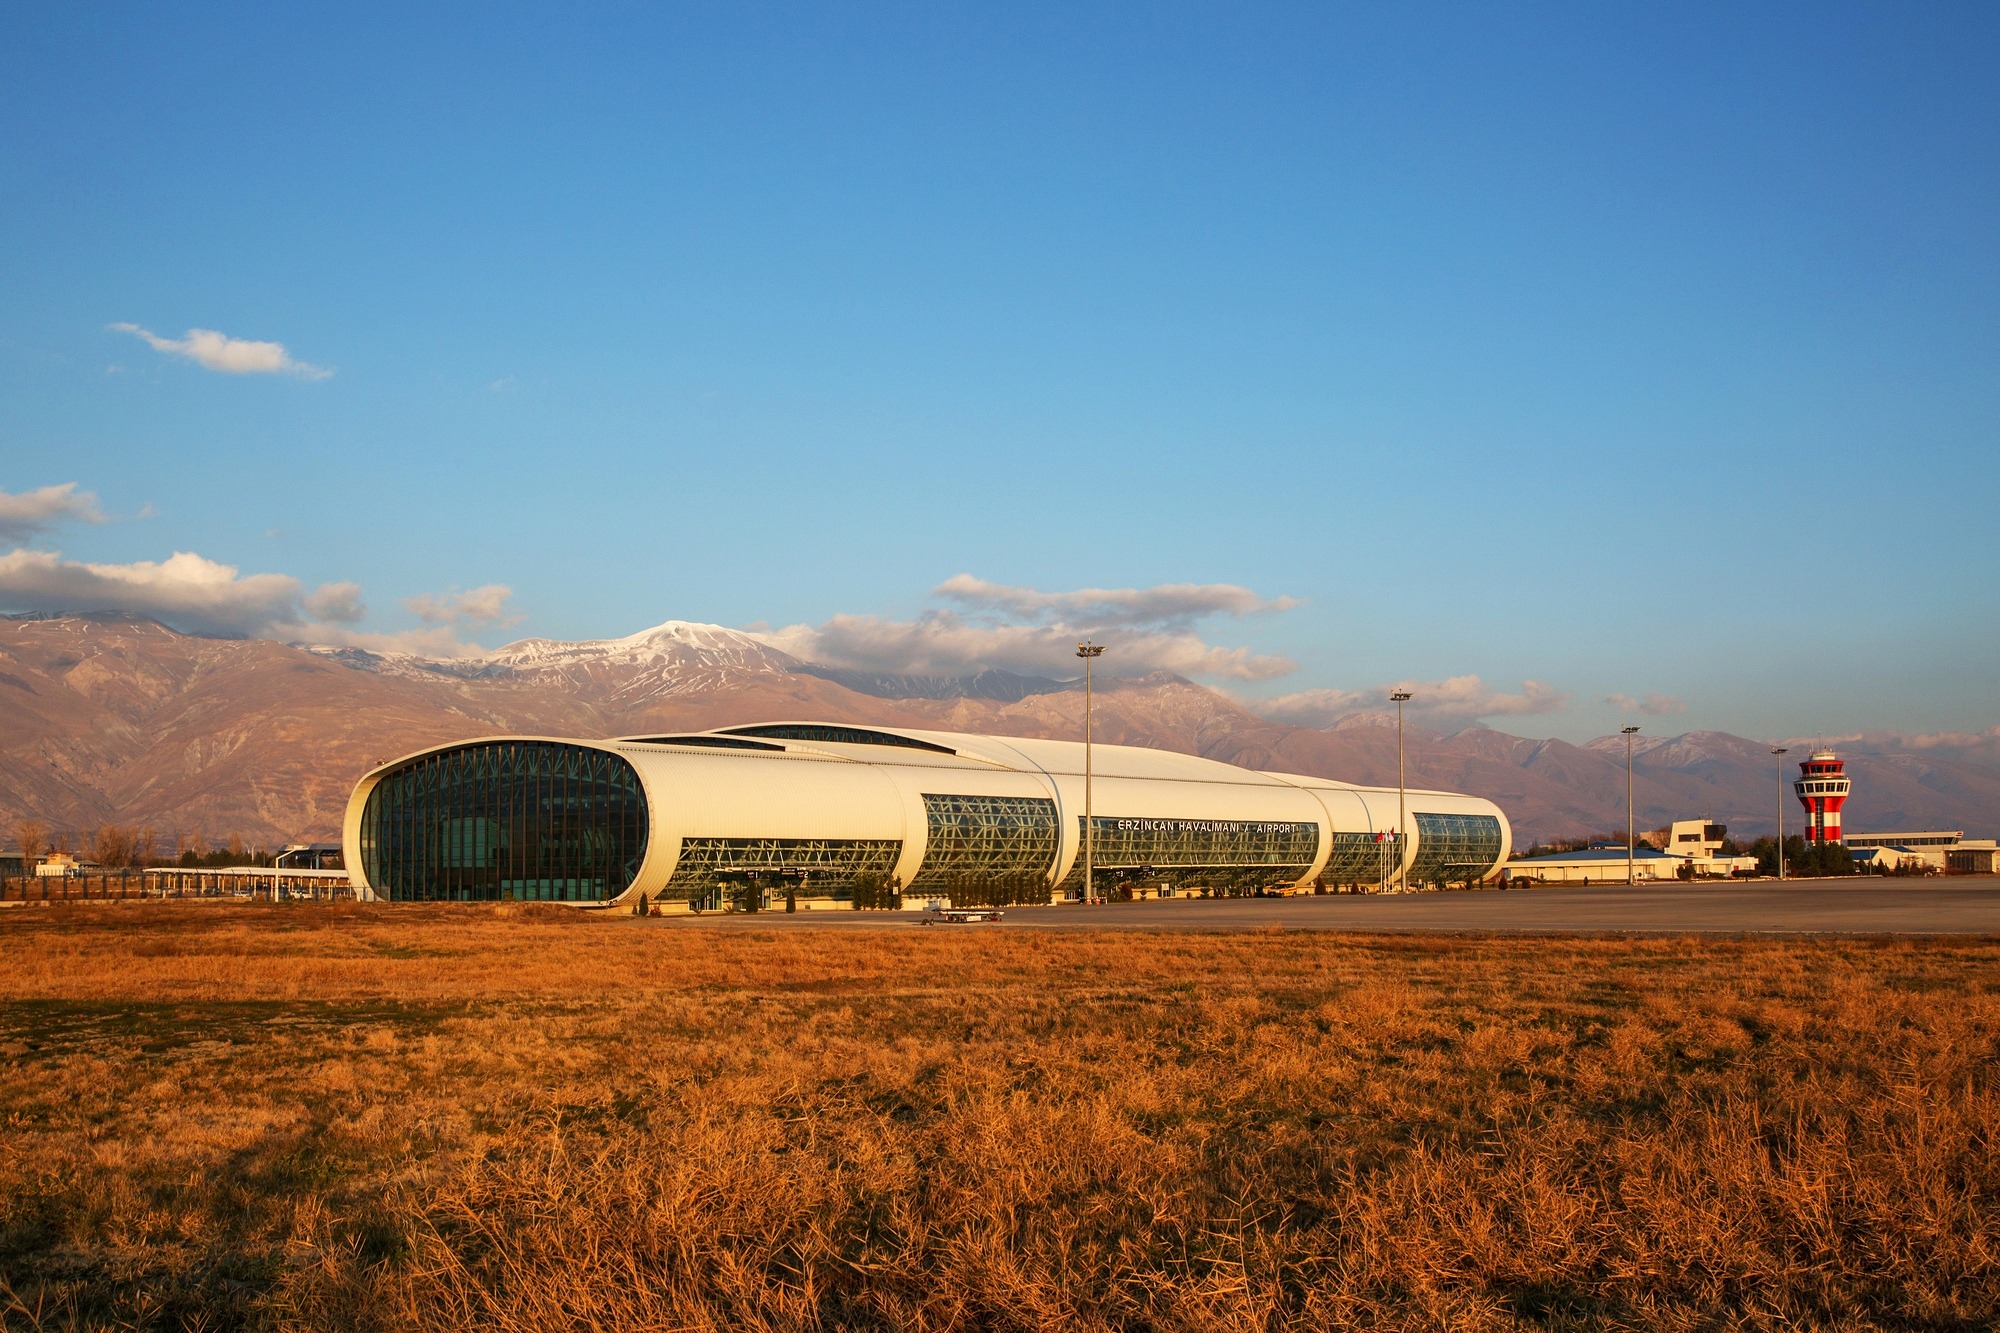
[825, 805]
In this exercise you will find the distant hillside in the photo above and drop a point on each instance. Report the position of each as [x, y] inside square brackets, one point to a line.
[107, 719]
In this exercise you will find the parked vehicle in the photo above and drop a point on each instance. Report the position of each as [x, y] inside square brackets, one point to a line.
[939, 914]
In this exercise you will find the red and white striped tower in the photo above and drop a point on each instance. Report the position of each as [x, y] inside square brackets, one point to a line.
[1822, 786]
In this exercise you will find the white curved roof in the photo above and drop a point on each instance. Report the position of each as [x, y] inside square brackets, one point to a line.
[1027, 754]
[1020, 753]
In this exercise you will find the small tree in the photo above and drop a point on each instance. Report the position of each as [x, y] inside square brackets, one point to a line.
[33, 839]
[111, 847]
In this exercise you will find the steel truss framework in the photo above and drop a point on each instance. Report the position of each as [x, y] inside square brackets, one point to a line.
[830, 863]
[987, 835]
[1454, 847]
[1209, 853]
[1359, 858]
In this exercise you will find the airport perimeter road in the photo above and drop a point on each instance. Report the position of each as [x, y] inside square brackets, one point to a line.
[1969, 905]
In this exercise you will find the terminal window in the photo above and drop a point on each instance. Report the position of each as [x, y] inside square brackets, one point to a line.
[1454, 847]
[1216, 853]
[505, 820]
[986, 835]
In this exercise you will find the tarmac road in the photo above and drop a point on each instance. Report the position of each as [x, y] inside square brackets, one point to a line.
[1968, 905]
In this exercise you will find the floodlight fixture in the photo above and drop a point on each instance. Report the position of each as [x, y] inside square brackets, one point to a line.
[1631, 854]
[1778, 751]
[1399, 698]
[1089, 652]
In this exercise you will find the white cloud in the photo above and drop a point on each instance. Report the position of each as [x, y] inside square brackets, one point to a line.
[1653, 705]
[233, 356]
[202, 596]
[1458, 698]
[484, 605]
[27, 515]
[1952, 739]
[436, 641]
[185, 590]
[339, 603]
[1163, 604]
[941, 643]
[1036, 633]
[1314, 708]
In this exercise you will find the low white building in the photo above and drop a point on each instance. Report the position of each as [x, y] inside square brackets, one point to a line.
[62, 865]
[1694, 851]
[1699, 843]
[1928, 847]
[1893, 860]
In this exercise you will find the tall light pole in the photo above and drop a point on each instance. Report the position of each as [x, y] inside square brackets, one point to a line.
[1400, 697]
[1779, 751]
[1089, 652]
[1631, 856]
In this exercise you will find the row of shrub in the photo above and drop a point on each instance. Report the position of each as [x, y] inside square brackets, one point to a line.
[992, 888]
[1803, 858]
[875, 890]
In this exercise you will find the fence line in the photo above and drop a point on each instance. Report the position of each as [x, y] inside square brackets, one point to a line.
[173, 882]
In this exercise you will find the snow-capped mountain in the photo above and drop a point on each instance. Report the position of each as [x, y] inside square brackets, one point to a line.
[678, 657]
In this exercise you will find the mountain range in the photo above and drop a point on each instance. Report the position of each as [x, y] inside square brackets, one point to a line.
[115, 719]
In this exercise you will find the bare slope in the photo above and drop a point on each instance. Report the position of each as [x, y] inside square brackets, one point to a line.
[105, 719]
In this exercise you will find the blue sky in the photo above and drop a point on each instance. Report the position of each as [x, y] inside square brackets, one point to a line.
[1624, 352]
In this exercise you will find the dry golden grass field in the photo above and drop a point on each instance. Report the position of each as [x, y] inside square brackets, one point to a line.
[533, 1119]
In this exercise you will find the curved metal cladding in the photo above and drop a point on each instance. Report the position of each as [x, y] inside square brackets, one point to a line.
[500, 819]
[1452, 839]
[1360, 847]
[738, 808]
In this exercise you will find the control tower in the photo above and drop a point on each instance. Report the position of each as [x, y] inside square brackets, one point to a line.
[1822, 786]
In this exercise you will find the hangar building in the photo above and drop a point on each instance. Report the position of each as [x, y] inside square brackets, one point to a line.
[596, 822]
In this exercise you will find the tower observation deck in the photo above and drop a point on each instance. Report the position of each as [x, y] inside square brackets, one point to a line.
[1823, 787]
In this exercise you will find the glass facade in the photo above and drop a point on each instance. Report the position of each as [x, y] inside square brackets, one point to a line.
[830, 863]
[986, 835]
[1227, 854]
[506, 820]
[1359, 858]
[1454, 848]
[818, 731]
